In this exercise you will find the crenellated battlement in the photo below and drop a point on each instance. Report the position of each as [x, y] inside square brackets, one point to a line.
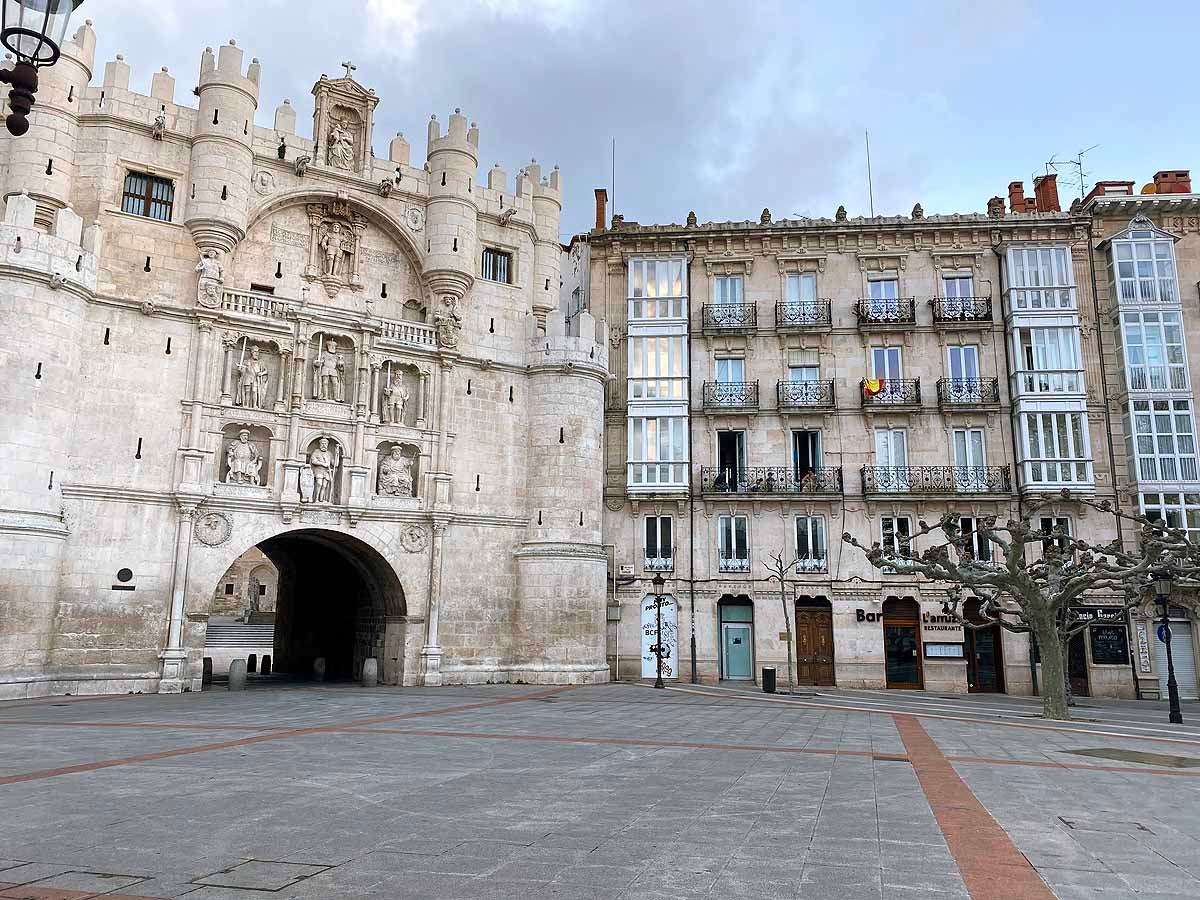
[226, 69]
[66, 254]
[587, 351]
[459, 136]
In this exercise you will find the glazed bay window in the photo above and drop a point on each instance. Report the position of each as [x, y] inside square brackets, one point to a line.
[1057, 448]
[1161, 438]
[1155, 357]
[733, 548]
[895, 537]
[657, 451]
[1040, 278]
[812, 554]
[497, 266]
[148, 195]
[1176, 510]
[658, 366]
[1049, 360]
[657, 289]
[1144, 268]
[660, 551]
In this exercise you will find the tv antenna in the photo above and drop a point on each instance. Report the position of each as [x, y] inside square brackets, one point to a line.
[1078, 175]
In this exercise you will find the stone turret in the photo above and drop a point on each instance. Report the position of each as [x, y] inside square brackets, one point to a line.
[42, 162]
[561, 566]
[222, 159]
[547, 214]
[50, 275]
[451, 216]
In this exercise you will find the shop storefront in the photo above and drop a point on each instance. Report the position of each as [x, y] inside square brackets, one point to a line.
[1183, 654]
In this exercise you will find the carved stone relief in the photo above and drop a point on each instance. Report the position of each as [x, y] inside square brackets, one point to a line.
[448, 322]
[264, 182]
[334, 244]
[414, 538]
[213, 529]
[212, 275]
[319, 474]
[396, 474]
[329, 371]
[243, 461]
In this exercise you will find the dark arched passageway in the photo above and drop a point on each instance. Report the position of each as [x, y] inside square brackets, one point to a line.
[335, 596]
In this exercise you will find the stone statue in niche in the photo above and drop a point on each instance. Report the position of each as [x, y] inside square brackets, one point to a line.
[252, 382]
[448, 322]
[395, 474]
[328, 383]
[244, 462]
[395, 401]
[208, 292]
[322, 467]
[341, 145]
[334, 254]
[336, 250]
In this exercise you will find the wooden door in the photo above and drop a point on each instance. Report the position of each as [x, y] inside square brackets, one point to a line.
[814, 647]
[1077, 670]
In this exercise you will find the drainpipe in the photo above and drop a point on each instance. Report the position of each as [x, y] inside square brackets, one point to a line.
[691, 484]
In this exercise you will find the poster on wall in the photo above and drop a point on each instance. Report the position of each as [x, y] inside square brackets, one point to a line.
[670, 634]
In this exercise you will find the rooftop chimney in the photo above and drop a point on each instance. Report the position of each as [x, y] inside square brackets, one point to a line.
[601, 208]
[1173, 181]
[1016, 196]
[1045, 193]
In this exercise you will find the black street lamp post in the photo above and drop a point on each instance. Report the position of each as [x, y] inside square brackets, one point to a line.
[33, 30]
[1162, 591]
[658, 582]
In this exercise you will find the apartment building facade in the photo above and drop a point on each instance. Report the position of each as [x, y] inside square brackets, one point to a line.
[778, 383]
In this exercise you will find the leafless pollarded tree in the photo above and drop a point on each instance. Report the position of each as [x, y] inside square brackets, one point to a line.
[1034, 593]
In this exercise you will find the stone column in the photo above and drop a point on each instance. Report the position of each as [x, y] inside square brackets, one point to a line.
[173, 656]
[431, 652]
[373, 400]
[422, 397]
[359, 400]
[229, 341]
[281, 392]
[199, 382]
[443, 418]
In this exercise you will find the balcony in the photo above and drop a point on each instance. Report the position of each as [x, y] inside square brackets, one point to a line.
[804, 395]
[812, 564]
[887, 314]
[729, 317]
[659, 564]
[953, 312]
[254, 303]
[936, 480]
[1156, 378]
[730, 396]
[409, 334]
[968, 393]
[893, 393]
[1047, 382]
[804, 314]
[733, 564]
[771, 480]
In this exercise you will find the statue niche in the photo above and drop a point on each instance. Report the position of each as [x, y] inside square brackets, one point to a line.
[252, 380]
[243, 458]
[335, 241]
[319, 476]
[330, 368]
[397, 470]
[344, 140]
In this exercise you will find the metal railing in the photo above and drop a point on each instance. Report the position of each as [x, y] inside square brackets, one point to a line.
[812, 563]
[893, 392]
[771, 480]
[804, 394]
[887, 312]
[957, 310]
[733, 564]
[1157, 378]
[936, 480]
[659, 564]
[731, 395]
[968, 391]
[729, 316]
[804, 314]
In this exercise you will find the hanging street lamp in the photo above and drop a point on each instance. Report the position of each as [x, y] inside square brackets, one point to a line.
[33, 30]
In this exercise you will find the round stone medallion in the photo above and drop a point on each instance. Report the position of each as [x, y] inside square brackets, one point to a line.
[213, 529]
[413, 538]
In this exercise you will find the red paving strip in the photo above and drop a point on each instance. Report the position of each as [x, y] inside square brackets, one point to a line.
[170, 726]
[991, 865]
[10, 891]
[274, 736]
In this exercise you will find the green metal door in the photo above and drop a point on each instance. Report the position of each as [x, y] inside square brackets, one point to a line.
[738, 658]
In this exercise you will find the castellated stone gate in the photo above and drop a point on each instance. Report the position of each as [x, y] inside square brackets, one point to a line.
[220, 336]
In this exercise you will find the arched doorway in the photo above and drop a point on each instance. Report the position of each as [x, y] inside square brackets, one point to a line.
[336, 598]
[902, 643]
[983, 647]
[814, 641]
[736, 615]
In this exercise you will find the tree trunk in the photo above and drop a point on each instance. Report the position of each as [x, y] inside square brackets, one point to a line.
[1054, 672]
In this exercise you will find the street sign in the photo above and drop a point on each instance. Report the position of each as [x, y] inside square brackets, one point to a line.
[784, 636]
[1161, 631]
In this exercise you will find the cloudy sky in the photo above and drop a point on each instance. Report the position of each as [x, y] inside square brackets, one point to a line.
[725, 108]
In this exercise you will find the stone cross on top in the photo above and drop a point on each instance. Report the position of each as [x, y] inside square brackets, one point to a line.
[349, 67]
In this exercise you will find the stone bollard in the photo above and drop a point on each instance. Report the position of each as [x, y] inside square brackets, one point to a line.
[265, 668]
[237, 675]
[206, 676]
[370, 672]
[319, 669]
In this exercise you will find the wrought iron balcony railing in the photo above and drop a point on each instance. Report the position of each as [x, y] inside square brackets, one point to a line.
[968, 392]
[771, 480]
[804, 314]
[733, 564]
[729, 316]
[659, 564]
[805, 394]
[730, 395]
[812, 563]
[936, 480]
[887, 313]
[961, 310]
[892, 392]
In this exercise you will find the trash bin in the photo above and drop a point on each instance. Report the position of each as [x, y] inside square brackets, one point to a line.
[768, 679]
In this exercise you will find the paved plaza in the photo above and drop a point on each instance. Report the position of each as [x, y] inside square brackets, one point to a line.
[595, 793]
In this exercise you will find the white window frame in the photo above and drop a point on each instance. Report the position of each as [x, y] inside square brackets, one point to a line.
[1157, 333]
[1049, 359]
[1178, 509]
[1064, 444]
[895, 539]
[812, 546]
[725, 367]
[657, 288]
[800, 288]
[658, 363]
[729, 290]
[1143, 268]
[1041, 278]
[980, 544]
[648, 465]
[731, 557]
[1162, 453]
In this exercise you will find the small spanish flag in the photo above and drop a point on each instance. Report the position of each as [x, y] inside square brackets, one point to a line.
[872, 386]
